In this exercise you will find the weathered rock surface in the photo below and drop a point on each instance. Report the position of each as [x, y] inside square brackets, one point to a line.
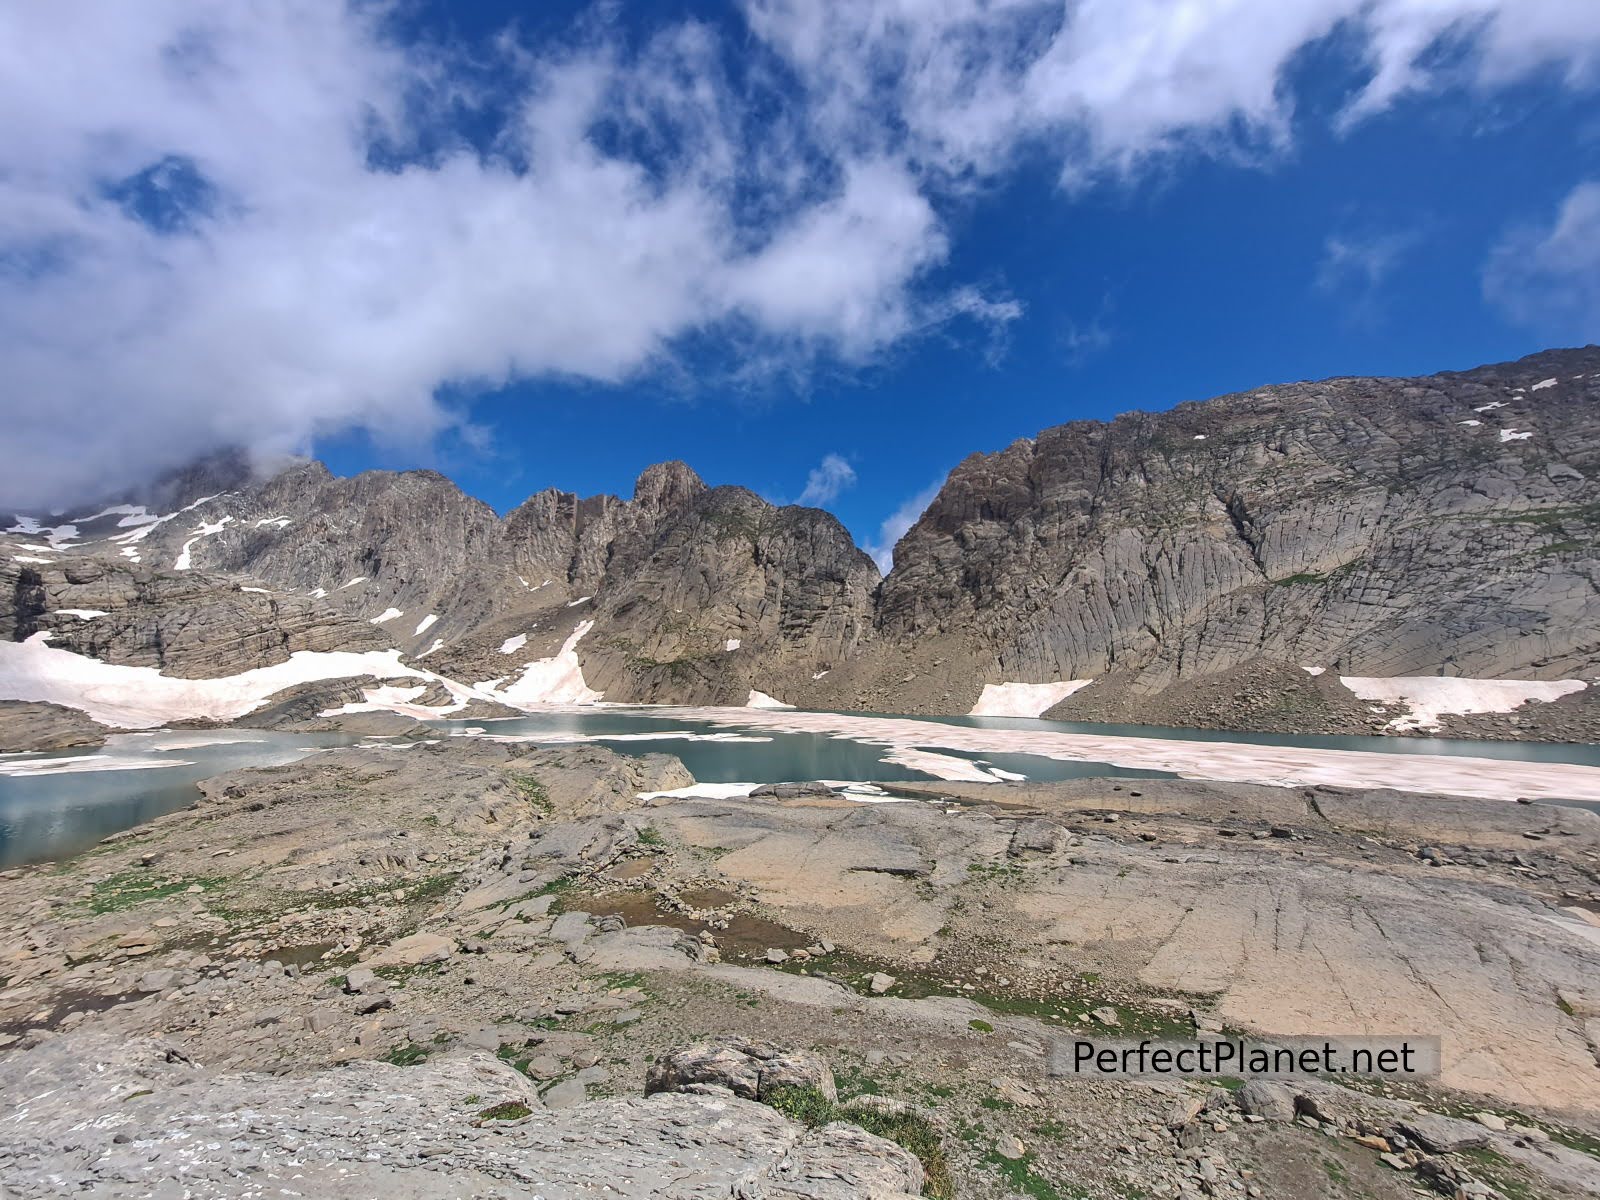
[187, 1004]
[1371, 526]
[190, 624]
[750, 1070]
[117, 1118]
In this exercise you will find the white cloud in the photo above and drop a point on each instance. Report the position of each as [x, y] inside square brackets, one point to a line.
[1548, 276]
[229, 223]
[1105, 84]
[826, 480]
[1361, 263]
[896, 524]
[299, 289]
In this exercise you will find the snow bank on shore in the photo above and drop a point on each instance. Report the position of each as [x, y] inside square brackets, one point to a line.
[142, 697]
[1433, 696]
[1024, 699]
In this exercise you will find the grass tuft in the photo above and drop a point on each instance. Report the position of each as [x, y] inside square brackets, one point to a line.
[909, 1130]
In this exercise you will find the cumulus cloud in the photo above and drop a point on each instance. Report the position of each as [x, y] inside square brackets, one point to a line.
[1548, 276]
[896, 524]
[258, 224]
[826, 480]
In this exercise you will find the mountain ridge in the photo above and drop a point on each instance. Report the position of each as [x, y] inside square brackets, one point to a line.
[1363, 527]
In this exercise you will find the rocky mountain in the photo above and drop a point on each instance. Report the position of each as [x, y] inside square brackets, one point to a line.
[1182, 561]
[1372, 527]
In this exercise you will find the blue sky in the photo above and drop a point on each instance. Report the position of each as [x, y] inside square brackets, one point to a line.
[535, 245]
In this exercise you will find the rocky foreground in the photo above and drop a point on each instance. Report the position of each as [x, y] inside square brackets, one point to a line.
[439, 969]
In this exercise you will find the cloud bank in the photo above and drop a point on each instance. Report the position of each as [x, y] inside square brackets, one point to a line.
[260, 224]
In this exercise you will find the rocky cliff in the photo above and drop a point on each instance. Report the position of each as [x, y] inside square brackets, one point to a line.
[1372, 527]
[1364, 527]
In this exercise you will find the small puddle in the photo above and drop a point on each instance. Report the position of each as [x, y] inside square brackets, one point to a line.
[746, 936]
[634, 868]
[298, 956]
[69, 1002]
[707, 897]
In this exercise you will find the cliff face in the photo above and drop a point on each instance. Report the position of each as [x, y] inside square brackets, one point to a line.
[195, 625]
[1370, 526]
[690, 593]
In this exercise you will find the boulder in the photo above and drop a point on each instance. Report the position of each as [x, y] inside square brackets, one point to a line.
[751, 1070]
[414, 951]
[1264, 1098]
[793, 791]
[1444, 1135]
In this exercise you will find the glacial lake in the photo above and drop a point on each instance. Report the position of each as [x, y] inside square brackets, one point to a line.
[58, 804]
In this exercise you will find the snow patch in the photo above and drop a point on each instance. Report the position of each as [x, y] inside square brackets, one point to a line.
[80, 763]
[1231, 762]
[132, 514]
[762, 700]
[56, 535]
[1314, 670]
[731, 644]
[353, 582]
[83, 614]
[1024, 699]
[512, 644]
[1511, 435]
[1469, 422]
[574, 603]
[557, 680]
[1433, 696]
[437, 643]
[204, 529]
[425, 624]
[1493, 404]
[142, 697]
[705, 791]
[820, 674]
[258, 591]
[275, 522]
[30, 558]
[940, 766]
[1199, 437]
[387, 614]
[1542, 384]
[149, 526]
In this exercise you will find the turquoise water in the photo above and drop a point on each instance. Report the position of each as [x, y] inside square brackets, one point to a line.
[49, 816]
[776, 758]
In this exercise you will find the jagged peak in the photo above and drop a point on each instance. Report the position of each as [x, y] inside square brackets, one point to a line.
[667, 485]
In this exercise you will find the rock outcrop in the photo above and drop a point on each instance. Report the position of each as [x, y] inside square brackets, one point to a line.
[28, 727]
[191, 624]
[132, 1116]
[695, 593]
